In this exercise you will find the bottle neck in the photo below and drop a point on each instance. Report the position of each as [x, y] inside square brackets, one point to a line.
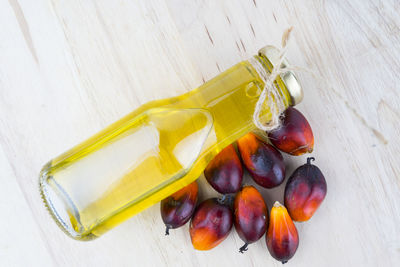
[261, 63]
[272, 95]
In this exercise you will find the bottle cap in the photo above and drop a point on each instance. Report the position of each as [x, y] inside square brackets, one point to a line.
[289, 78]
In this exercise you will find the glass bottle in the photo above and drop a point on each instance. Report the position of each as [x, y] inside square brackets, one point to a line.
[155, 150]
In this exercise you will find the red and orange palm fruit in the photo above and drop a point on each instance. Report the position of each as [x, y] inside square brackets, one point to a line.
[211, 223]
[305, 191]
[178, 208]
[282, 237]
[294, 136]
[225, 173]
[251, 215]
[264, 163]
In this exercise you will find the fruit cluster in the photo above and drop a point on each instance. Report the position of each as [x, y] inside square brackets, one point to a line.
[212, 219]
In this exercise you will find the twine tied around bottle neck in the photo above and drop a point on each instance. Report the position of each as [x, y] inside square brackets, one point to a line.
[270, 94]
[276, 102]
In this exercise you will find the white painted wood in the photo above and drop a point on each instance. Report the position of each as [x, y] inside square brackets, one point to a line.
[69, 68]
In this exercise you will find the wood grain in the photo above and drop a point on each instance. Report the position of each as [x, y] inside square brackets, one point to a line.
[69, 68]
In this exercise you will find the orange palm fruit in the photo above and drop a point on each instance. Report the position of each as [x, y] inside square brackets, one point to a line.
[282, 238]
[295, 135]
[178, 208]
[305, 191]
[211, 223]
[264, 163]
[225, 173]
[251, 215]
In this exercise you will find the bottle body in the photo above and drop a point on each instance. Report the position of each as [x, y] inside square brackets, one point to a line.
[150, 153]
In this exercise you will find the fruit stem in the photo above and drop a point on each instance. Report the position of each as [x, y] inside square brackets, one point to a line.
[243, 248]
[222, 199]
[226, 200]
[283, 262]
[277, 204]
[167, 230]
[309, 160]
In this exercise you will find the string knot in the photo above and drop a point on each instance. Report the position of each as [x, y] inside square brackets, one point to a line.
[270, 93]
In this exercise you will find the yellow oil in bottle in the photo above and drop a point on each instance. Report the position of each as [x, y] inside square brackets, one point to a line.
[151, 153]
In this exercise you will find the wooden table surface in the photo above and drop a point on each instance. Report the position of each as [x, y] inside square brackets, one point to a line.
[69, 68]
